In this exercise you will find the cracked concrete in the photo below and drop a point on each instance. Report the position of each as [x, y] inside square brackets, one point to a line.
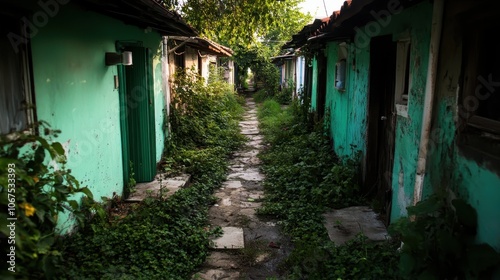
[238, 200]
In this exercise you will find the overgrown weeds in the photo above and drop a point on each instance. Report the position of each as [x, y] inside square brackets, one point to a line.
[304, 178]
[439, 242]
[167, 239]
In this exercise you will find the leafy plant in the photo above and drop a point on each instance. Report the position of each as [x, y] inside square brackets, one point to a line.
[358, 258]
[35, 189]
[131, 181]
[439, 242]
[303, 177]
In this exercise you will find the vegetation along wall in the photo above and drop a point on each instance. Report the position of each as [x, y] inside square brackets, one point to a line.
[75, 92]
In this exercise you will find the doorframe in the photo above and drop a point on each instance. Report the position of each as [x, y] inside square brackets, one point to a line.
[379, 157]
[122, 91]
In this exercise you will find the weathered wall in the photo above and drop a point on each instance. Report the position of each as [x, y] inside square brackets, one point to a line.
[314, 86]
[300, 68]
[348, 108]
[191, 59]
[75, 92]
[408, 129]
[474, 180]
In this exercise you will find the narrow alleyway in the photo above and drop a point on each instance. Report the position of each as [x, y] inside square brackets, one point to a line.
[250, 248]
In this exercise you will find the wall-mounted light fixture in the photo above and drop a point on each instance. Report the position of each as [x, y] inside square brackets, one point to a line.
[124, 58]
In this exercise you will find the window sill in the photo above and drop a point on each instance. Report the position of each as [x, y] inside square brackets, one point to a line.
[480, 147]
[402, 110]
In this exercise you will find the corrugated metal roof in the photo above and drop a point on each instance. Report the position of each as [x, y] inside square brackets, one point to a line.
[204, 44]
[342, 22]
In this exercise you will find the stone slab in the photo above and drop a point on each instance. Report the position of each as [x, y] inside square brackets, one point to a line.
[221, 259]
[232, 184]
[344, 224]
[250, 131]
[226, 201]
[250, 174]
[232, 238]
[160, 186]
[216, 274]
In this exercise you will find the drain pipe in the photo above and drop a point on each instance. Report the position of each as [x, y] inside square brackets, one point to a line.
[166, 80]
[430, 86]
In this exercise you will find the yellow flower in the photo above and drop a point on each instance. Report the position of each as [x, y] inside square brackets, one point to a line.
[36, 179]
[29, 210]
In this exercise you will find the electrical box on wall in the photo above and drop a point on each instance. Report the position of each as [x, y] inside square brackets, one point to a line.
[340, 70]
[341, 67]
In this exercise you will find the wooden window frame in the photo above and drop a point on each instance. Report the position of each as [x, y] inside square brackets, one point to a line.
[403, 75]
[26, 68]
[478, 136]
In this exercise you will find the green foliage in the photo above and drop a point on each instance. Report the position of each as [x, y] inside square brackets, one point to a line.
[243, 23]
[159, 240]
[167, 239]
[35, 188]
[203, 114]
[285, 95]
[357, 259]
[303, 176]
[258, 59]
[439, 242]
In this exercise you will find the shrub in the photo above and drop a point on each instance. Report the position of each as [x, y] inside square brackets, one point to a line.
[439, 242]
[35, 188]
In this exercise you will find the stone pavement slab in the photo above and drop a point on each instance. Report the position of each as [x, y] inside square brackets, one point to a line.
[232, 238]
[161, 185]
[344, 224]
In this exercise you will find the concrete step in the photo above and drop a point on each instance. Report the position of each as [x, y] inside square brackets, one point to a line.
[162, 186]
[344, 224]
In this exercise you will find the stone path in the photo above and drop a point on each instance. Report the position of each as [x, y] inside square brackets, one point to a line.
[251, 248]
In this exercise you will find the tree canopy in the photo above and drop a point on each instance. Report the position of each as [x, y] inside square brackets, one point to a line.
[243, 25]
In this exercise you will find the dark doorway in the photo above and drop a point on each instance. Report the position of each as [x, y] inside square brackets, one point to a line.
[381, 120]
[321, 91]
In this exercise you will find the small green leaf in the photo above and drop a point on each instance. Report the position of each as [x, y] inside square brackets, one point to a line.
[481, 257]
[87, 192]
[465, 213]
[427, 206]
[58, 148]
[406, 263]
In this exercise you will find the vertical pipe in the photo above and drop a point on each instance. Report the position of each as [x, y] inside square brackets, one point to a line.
[166, 80]
[430, 86]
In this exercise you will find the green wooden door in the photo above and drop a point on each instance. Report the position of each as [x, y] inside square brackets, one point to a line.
[138, 114]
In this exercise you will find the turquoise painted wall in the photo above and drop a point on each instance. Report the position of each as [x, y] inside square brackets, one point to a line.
[476, 181]
[75, 92]
[408, 130]
[348, 108]
[314, 86]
